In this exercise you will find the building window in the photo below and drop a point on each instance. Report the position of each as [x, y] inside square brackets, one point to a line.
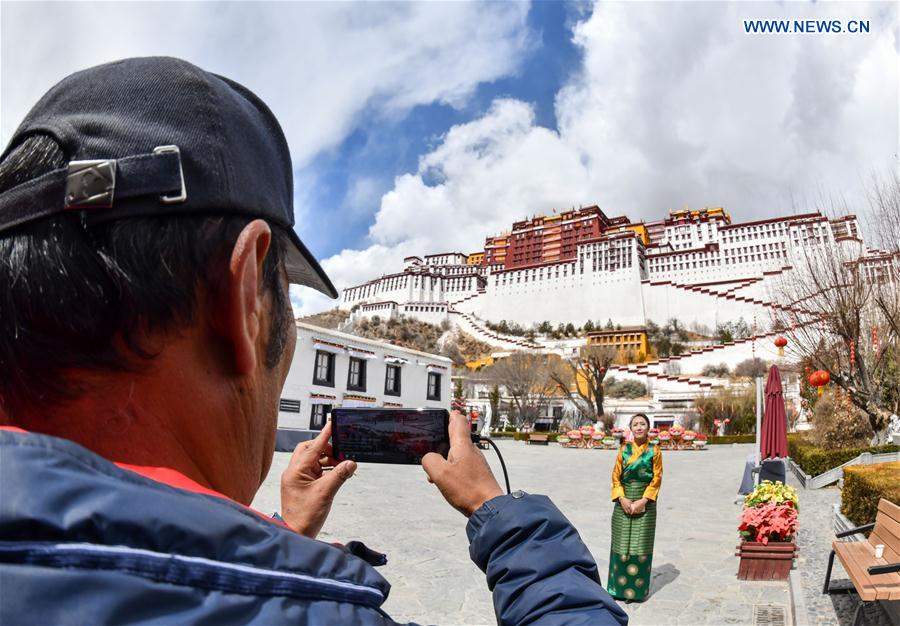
[289, 406]
[323, 374]
[392, 380]
[434, 386]
[356, 376]
[319, 416]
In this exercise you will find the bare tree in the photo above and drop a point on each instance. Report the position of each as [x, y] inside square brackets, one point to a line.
[526, 378]
[885, 203]
[581, 377]
[843, 308]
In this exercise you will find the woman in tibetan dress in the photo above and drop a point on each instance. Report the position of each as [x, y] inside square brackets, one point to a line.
[636, 479]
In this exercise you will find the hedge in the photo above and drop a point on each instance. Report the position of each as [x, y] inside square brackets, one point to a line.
[731, 439]
[552, 437]
[864, 486]
[814, 460]
[521, 436]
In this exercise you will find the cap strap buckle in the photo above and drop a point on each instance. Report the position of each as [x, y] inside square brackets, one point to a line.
[91, 184]
[182, 195]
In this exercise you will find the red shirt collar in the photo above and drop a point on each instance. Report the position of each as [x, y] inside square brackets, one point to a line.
[172, 478]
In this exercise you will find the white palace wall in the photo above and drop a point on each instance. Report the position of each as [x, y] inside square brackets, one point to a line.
[664, 302]
[571, 297]
[697, 273]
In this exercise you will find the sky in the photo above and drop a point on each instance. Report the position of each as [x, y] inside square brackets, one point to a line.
[418, 128]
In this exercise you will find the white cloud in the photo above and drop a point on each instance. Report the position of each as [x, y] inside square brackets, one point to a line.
[351, 267]
[363, 192]
[674, 105]
[319, 65]
[492, 171]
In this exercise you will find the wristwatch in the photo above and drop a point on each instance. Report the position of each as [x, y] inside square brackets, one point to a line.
[518, 493]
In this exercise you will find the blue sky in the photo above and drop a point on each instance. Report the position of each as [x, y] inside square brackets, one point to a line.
[380, 148]
[422, 127]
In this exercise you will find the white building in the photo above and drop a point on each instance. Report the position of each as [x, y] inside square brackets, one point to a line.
[694, 266]
[333, 369]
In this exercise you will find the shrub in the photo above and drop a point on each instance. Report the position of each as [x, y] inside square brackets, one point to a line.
[625, 388]
[750, 368]
[838, 426]
[719, 370]
[864, 486]
[737, 404]
[732, 439]
[815, 460]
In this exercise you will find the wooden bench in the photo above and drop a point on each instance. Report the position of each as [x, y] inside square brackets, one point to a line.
[873, 579]
[541, 440]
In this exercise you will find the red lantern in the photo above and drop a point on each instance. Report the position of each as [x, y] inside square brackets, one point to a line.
[780, 343]
[819, 379]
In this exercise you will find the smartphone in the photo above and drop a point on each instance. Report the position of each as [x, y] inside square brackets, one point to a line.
[381, 435]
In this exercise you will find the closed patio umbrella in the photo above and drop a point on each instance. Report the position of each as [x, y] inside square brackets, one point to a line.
[774, 429]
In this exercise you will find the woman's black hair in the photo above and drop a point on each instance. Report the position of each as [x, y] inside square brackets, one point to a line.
[77, 295]
[646, 419]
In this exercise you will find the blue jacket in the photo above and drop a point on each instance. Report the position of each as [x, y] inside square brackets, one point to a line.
[83, 541]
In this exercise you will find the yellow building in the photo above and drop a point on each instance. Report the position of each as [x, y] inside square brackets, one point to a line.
[630, 342]
[695, 214]
[476, 258]
[477, 364]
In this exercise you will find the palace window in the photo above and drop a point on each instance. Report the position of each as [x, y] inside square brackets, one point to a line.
[319, 416]
[434, 386]
[356, 375]
[323, 373]
[392, 380]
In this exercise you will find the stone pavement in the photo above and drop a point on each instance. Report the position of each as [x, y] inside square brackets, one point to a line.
[395, 510]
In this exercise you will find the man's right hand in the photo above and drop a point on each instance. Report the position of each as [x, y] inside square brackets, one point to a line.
[464, 477]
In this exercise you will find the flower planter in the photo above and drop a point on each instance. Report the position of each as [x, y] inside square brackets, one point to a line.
[760, 561]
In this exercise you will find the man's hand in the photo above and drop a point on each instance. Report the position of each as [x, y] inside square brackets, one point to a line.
[627, 505]
[639, 506]
[464, 477]
[306, 490]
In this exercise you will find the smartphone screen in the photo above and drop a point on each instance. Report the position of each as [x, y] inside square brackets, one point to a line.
[389, 435]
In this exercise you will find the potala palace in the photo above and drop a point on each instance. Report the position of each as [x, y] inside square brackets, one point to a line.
[694, 265]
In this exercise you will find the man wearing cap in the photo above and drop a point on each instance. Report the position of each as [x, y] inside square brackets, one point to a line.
[146, 247]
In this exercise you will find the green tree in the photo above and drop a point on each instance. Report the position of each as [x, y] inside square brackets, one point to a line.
[494, 400]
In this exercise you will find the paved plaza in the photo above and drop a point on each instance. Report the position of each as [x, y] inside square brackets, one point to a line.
[395, 510]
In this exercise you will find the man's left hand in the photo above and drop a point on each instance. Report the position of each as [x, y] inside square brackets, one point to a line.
[307, 491]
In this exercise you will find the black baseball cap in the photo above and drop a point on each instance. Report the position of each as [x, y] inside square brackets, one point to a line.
[159, 136]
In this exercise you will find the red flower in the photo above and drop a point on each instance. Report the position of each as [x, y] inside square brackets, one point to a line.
[769, 522]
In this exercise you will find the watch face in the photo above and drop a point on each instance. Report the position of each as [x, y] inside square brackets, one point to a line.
[518, 493]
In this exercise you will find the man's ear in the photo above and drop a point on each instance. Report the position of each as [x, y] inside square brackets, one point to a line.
[242, 297]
